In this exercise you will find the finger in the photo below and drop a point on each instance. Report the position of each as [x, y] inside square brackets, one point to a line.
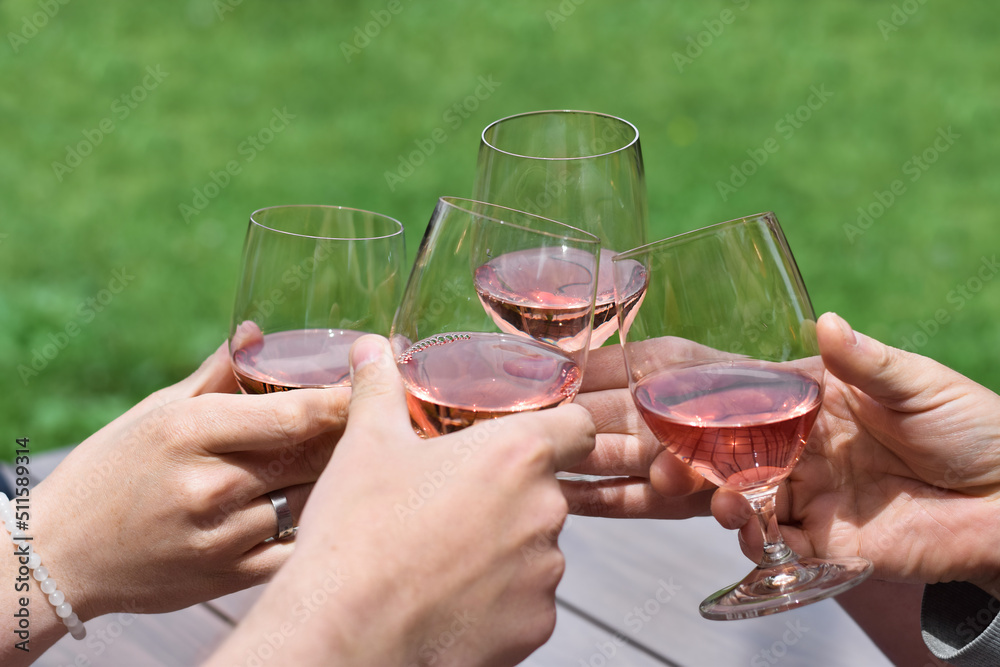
[570, 430]
[378, 401]
[631, 498]
[567, 430]
[731, 509]
[671, 477]
[248, 526]
[605, 370]
[258, 472]
[893, 377]
[215, 375]
[797, 539]
[617, 455]
[223, 423]
[625, 446]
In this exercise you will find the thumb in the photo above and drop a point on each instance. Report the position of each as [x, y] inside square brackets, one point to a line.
[378, 400]
[891, 376]
[214, 376]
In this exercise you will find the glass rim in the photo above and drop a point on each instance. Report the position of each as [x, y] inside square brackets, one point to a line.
[579, 235]
[632, 142]
[328, 207]
[768, 216]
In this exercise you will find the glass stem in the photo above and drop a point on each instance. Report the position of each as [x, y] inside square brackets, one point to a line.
[776, 552]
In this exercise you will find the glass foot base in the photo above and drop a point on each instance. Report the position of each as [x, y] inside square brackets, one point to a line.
[787, 586]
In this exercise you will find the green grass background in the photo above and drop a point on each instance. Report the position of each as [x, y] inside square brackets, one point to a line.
[60, 242]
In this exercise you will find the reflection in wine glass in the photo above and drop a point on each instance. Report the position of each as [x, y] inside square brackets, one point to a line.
[581, 168]
[724, 367]
[496, 316]
[314, 279]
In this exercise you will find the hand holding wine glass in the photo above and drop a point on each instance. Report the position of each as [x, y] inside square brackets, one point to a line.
[902, 460]
[496, 316]
[724, 367]
[314, 279]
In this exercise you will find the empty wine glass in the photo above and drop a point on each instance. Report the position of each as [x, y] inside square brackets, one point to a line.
[496, 316]
[578, 167]
[313, 279]
[724, 367]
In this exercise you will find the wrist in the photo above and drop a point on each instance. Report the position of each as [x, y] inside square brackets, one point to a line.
[57, 534]
[979, 562]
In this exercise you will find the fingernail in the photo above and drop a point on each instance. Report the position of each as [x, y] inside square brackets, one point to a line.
[364, 351]
[845, 329]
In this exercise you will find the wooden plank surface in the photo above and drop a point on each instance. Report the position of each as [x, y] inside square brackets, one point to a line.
[577, 641]
[182, 638]
[645, 580]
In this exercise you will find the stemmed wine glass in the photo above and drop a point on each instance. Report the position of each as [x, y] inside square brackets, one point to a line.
[578, 167]
[724, 367]
[313, 279]
[496, 316]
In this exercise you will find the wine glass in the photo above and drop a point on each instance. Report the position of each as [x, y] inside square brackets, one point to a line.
[579, 167]
[314, 279]
[724, 367]
[496, 316]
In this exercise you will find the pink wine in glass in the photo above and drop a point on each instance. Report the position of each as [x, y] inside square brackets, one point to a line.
[546, 292]
[740, 424]
[294, 360]
[453, 380]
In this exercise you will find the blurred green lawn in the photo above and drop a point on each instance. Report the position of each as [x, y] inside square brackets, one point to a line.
[101, 270]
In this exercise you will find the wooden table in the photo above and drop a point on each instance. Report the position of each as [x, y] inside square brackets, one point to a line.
[629, 599]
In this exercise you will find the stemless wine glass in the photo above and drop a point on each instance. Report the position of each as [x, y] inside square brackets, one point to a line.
[496, 316]
[724, 367]
[579, 167]
[314, 279]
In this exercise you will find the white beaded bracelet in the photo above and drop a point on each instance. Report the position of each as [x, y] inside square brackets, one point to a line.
[64, 610]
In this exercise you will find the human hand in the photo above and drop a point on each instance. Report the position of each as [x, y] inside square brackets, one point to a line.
[416, 551]
[643, 480]
[903, 467]
[167, 505]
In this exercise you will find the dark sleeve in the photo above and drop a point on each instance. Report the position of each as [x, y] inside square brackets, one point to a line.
[960, 624]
